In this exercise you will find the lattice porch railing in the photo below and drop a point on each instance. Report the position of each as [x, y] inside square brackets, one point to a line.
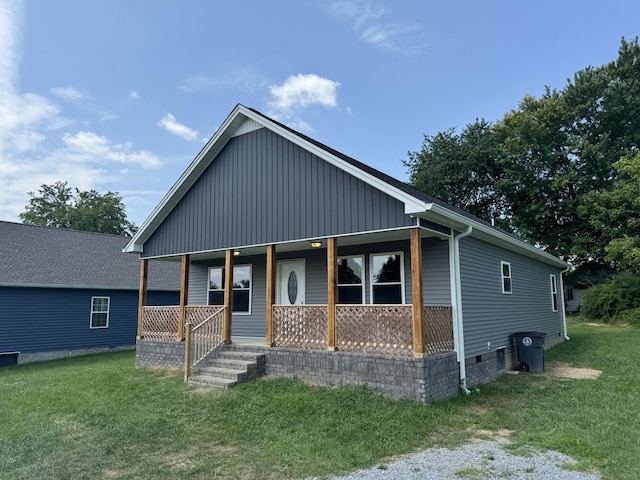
[438, 329]
[375, 329]
[300, 326]
[160, 323]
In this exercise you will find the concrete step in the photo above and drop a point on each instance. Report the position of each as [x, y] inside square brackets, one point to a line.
[230, 373]
[229, 368]
[232, 354]
[209, 381]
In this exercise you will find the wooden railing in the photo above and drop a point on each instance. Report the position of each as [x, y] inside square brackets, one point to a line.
[160, 323]
[438, 329]
[375, 329]
[203, 339]
[300, 326]
[369, 329]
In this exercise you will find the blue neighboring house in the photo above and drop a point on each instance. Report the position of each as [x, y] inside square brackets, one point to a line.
[66, 292]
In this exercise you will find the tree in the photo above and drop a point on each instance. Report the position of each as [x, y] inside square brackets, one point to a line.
[59, 205]
[535, 167]
[461, 169]
[615, 215]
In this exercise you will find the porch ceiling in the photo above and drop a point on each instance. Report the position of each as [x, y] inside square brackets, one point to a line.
[343, 241]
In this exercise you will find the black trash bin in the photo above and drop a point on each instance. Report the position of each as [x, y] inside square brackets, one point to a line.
[530, 351]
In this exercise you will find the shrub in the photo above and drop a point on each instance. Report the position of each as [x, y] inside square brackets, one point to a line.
[632, 317]
[607, 301]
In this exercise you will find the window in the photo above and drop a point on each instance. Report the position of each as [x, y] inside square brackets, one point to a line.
[99, 312]
[554, 293]
[351, 279]
[241, 287]
[506, 277]
[387, 278]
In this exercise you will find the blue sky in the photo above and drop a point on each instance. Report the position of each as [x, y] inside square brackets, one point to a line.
[120, 95]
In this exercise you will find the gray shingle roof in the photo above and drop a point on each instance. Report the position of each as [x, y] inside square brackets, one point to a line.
[34, 255]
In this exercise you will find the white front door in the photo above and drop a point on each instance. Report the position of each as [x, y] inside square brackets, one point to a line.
[290, 282]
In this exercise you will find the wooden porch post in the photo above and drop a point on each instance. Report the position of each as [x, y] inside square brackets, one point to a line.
[332, 280]
[142, 294]
[228, 296]
[184, 295]
[271, 291]
[418, 304]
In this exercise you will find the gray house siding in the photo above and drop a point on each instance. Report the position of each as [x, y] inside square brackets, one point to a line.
[435, 267]
[490, 316]
[261, 189]
[50, 319]
[436, 280]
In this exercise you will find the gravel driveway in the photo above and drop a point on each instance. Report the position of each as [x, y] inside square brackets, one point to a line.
[480, 460]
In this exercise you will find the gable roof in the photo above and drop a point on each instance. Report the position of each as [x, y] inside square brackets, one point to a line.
[416, 203]
[32, 255]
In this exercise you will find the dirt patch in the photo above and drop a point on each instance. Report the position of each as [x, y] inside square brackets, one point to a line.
[501, 433]
[564, 370]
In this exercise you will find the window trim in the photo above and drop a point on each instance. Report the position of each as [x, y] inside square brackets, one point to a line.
[250, 289]
[363, 278]
[503, 277]
[92, 311]
[554, 292]
[402, 277]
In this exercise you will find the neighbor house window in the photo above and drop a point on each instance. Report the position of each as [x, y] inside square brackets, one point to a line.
[99, 312]
[506, 277]
[387, 278]
[554, 293]
[351, 279]
[241, 287]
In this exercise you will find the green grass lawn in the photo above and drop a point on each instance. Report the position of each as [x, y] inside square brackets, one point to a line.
[99, 417]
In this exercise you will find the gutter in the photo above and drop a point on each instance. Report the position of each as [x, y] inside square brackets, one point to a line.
[459, 317]
[564, 309]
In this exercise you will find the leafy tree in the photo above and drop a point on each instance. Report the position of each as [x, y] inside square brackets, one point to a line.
[461, 169]
[537, 168]
[615, 215]
[59, 205]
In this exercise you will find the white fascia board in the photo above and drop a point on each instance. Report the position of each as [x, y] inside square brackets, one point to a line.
[496, 236]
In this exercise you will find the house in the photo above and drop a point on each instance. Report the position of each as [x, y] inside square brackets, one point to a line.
[65, 292]
[343, 274]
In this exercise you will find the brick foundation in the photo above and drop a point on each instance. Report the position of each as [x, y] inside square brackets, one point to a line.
[421, 379]
[153, 353]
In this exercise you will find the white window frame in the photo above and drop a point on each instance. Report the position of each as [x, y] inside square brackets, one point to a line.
[371, 271]
[503, 277]
[250, 289]
[363, 277]
[554, 292]
[106, 325]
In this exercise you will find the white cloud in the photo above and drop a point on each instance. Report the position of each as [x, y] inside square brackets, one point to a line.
[367, 19]
[69, 94]
[302, 90]
[169, 123]
[133, 95]
[32, 149]
[88, 147]
[299, 92]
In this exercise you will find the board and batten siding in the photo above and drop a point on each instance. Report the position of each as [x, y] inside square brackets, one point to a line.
[263, 189]
[490, 315]
[435, 262]
[49, 319]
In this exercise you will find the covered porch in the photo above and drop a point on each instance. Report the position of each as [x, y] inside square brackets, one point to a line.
[402, 329]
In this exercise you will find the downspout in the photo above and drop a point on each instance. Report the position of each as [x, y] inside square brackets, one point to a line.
[459, 318]
[564, 309]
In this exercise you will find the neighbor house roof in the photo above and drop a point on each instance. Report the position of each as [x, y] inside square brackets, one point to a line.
[417, 203]
[38, 256]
